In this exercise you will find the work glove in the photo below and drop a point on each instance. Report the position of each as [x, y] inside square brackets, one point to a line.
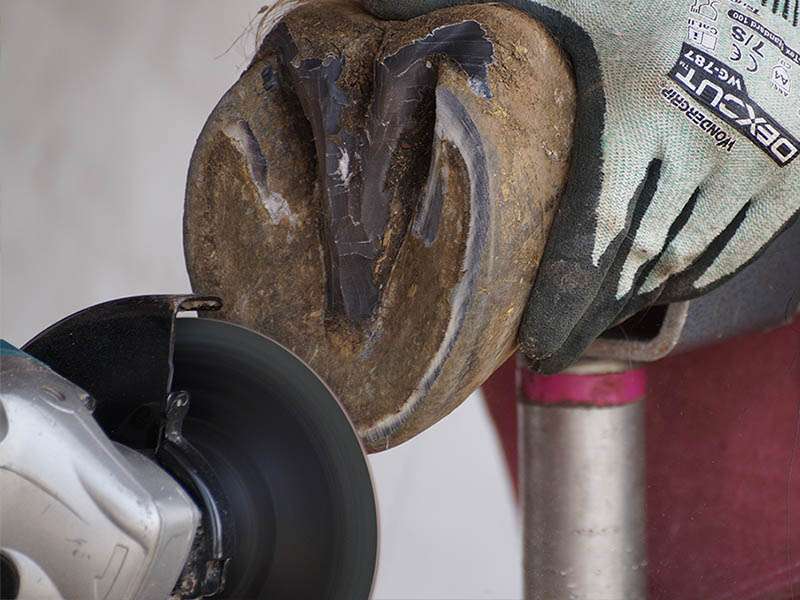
[684, 162]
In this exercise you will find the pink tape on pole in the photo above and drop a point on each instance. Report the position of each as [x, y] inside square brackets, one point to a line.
[612, 389]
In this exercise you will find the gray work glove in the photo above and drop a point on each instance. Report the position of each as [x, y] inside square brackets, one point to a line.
[684, 165]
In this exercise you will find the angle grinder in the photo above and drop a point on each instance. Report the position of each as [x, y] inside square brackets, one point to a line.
[144, 455]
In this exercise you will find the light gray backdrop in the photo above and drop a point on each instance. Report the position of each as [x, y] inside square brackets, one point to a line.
[100, 104]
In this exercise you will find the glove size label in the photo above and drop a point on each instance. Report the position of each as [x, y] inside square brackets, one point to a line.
[722, 89]
[769, 35]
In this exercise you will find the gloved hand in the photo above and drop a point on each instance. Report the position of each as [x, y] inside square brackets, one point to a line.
[684, 163]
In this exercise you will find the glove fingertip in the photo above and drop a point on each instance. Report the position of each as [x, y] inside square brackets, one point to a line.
[546, 366]
[557, 302]
[556, 362]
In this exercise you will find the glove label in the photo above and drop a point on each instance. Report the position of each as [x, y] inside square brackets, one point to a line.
[722, 89]
[772, 37]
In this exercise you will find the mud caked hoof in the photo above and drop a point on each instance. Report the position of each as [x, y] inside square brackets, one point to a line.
[375, 195]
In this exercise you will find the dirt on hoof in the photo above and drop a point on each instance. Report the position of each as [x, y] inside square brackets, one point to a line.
[376, 195]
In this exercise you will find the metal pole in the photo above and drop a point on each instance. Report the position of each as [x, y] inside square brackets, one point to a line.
[582, 482]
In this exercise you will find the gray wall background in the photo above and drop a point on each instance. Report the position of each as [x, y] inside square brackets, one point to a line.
[100, 104]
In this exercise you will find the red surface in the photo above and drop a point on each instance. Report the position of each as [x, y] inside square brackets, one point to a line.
[611, 389]
[723, 467]
[500, 394]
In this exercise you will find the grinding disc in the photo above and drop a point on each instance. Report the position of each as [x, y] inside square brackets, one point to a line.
[376, 195]
[292, 468]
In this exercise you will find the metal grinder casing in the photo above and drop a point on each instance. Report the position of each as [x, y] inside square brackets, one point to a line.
[75, 503]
